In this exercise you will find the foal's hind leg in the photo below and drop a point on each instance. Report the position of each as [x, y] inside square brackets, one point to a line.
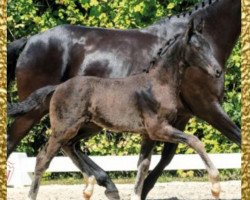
[143, 167]
[168, 133]
[56, 140]
[42, 163]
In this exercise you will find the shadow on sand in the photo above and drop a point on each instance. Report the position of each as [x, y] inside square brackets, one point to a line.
[175, 198]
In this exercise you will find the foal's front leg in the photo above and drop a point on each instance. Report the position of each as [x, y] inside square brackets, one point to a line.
[143, 167]
[167, 133]
[167, 155]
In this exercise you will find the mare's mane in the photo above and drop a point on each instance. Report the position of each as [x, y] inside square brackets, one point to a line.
[199, 6]
[161, 52]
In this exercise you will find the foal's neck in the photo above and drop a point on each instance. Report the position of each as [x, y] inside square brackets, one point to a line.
[169, 68]
[169, 71]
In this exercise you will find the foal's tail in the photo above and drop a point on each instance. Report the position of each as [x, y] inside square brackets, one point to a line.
[13, 51]
[36, 99]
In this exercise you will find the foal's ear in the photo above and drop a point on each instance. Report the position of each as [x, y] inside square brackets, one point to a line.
[189, 31]
[199, 27]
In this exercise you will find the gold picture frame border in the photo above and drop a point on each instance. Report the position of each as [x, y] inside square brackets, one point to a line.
[3, 98]
[245, 86]
[245, 99]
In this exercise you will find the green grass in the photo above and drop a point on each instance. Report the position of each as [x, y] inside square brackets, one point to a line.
[129, 177]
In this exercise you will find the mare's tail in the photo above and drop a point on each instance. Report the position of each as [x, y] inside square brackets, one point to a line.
[33, 101]
[13, 51]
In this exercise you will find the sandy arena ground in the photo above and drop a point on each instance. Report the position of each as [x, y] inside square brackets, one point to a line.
[231, 190]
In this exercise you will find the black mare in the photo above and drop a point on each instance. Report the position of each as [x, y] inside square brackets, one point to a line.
[63, 52]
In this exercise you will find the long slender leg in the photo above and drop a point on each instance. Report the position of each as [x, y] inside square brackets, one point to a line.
[101, 176]
[143, 167]
[211, 113]
[69, 150]
[62, 133]
[89, 168]
[167, 155]
[216, 116]
[171, 134]
[42, 163]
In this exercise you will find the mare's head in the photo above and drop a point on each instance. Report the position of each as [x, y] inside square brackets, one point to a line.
[191, 49]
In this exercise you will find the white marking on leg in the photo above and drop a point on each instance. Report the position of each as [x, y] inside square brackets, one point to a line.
[140, 177]
[87, 193]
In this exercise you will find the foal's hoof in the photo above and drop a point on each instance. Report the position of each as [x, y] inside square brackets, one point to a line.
[112, 195]
[216, 190]
[86, 195]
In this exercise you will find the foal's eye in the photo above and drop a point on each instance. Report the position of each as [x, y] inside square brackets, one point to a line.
[197, 46]
[195, 43]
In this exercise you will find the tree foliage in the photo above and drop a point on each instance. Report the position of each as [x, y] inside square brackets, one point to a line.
[28, 17]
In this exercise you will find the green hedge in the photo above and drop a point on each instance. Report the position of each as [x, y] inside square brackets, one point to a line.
[28, 17]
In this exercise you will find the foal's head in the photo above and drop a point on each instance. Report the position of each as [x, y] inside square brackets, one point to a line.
[192, 49]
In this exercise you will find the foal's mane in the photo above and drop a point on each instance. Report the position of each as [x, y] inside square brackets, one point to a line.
[161, 52]
[199, 6]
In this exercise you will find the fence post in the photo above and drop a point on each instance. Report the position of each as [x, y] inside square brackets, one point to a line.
[17, 175]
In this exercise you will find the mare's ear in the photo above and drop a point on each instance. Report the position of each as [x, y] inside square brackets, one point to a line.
[189, 31]
[199, 27]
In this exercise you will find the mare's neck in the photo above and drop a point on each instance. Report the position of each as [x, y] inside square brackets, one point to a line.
[222, 25]
[169, 26]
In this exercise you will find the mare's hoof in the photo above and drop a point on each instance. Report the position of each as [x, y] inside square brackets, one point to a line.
[112, 195]
[216, 190]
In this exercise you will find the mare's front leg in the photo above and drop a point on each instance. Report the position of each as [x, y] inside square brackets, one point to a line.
[167, 133]
[143, 166]
[216, 116]
[92, 171]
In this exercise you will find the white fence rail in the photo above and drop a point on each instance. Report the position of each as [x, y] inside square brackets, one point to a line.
[20, 166]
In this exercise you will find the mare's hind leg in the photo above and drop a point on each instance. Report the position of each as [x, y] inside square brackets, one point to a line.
[101, 176]
[143, 167]
[21, 126]
[89, 168]
[167, 133]
[42, 163]
[69, 150]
